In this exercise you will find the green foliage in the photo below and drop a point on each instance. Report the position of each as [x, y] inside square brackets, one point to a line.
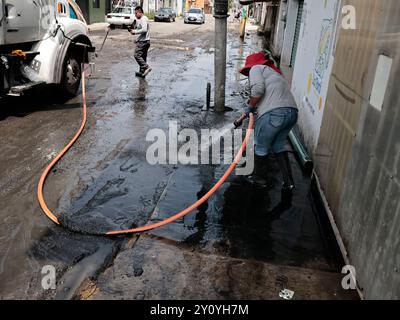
[150, 15]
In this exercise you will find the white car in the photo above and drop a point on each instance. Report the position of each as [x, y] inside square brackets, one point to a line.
[122, 17]
[195, 15]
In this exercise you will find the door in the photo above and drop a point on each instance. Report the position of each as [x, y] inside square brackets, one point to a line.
[97, 10]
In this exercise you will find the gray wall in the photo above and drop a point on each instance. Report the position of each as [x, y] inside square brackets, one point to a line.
[358, 155]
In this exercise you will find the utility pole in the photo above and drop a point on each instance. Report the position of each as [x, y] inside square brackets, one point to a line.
[220, 15]
[243, 22]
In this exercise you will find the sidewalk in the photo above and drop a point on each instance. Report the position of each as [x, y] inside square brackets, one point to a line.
[98, 27]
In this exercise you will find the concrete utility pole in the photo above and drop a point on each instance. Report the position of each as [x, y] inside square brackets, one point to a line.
[243, 23]
[220, 15]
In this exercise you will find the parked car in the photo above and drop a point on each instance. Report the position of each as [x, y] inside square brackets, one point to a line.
[122, 17]
[195, 15]
[165, 14]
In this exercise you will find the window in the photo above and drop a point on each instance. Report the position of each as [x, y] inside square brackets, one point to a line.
[61, 9]
[124, 10]
[96, 4]
[381, 82]
[72, 13]
[194, 11]
[77, 11]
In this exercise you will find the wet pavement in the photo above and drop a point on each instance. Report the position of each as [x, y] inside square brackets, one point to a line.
[240, 244]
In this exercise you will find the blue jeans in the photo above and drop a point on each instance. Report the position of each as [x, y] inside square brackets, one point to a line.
[272, 128]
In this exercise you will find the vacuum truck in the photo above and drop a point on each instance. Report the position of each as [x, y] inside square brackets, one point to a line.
[42, 42]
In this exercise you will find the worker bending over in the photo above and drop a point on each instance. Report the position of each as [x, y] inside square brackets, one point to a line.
[275, 111]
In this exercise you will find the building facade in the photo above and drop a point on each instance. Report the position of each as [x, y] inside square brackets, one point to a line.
[95, 10]
[154, 5]
[195, 4]
[344, 77]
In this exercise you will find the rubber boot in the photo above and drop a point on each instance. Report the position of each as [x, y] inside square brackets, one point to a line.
[284, 165]
[259, 173]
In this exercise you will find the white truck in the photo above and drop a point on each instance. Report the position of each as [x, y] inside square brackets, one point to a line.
[42, 42]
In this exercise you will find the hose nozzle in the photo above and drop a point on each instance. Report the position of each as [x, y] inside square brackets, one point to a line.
[238, 122]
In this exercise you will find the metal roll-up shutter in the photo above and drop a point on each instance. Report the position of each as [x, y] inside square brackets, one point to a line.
[297, 33]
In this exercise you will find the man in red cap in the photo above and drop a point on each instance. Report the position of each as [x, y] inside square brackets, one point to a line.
[275, 110]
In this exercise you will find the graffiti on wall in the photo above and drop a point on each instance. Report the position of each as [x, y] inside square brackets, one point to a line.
[323, 55]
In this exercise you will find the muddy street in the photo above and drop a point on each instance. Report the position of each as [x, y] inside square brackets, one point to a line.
[238, 245]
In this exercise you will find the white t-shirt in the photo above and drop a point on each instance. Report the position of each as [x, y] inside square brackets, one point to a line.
[271, 87]
[143, 29]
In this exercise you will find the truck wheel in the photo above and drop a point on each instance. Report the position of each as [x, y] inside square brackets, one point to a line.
[71, 76]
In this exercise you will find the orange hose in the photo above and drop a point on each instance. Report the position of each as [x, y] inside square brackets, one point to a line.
[184, 212]
[60, 155]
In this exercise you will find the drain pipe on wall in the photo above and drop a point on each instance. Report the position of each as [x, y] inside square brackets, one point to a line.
[301, 151]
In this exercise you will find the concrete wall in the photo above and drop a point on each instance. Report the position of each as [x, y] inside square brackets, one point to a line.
[180, 6]
[194, 4]
[91, 14]
[291, 16]
[277, 42]
[345, 83]
[269, 26]
[314, 60]
[263, 15]
[358, 154]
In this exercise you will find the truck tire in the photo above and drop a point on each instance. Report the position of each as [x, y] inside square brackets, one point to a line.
[71, 78]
